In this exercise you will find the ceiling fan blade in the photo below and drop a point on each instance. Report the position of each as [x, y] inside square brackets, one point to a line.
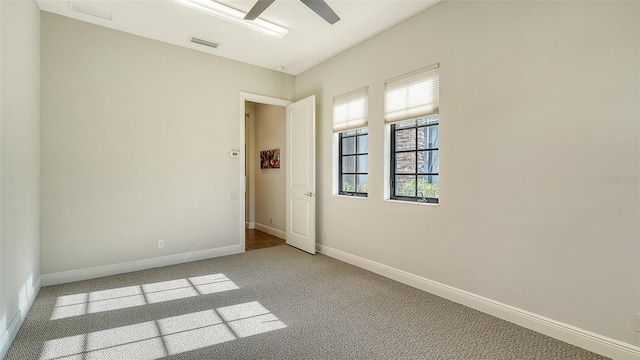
[321, 8]
[258, 8]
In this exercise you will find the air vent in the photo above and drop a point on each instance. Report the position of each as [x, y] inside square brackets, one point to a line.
[195, 40]
[89, 10]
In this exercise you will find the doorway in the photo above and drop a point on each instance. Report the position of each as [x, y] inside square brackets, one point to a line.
[265, 147]
[263, 212]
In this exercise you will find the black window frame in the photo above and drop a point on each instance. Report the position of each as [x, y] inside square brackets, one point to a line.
[356, 134]
[417, 198]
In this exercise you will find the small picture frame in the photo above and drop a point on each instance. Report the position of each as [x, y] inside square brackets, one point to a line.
[270, 159]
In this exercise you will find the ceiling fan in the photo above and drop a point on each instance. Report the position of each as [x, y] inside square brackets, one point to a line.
[320, 7]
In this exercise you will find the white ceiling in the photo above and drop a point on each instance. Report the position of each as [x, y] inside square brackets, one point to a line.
[310, 40]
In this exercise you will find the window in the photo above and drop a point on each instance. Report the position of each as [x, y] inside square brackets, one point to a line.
[415, 162]
[413, 116]
[350, 128]
[353, 152]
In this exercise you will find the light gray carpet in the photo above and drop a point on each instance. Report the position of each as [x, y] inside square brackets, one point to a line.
[276, 303]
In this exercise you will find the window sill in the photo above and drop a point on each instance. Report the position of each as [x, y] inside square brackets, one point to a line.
[351, 196]
[412, 202]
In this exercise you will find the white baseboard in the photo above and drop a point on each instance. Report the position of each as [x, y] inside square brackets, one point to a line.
[250, 225]
[271, 231]
[120, 268]
[568, 333]
[18, 319]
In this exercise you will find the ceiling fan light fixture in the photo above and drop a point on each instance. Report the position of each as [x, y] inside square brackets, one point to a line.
[235, 16]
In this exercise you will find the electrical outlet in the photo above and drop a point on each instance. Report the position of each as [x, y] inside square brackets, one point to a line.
[160, 244]
[234, 195]
[637, 321]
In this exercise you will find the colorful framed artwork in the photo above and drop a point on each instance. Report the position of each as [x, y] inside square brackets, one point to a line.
[270, 159]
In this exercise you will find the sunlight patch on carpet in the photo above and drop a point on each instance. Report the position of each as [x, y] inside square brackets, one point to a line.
[168, 336]
[138, 295]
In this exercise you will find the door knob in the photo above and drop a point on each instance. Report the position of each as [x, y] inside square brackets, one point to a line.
[309, 194]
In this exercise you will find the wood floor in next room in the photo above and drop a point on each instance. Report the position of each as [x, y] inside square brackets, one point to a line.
[256, 239]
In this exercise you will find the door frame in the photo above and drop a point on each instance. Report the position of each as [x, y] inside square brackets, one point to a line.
[260, 99]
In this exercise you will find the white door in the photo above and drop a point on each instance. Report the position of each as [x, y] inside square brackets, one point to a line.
[301, 184]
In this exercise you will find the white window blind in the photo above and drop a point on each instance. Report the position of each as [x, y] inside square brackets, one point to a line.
[350, 110]
[412, 95]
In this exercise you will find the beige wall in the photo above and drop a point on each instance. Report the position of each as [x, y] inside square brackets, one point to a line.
[539, 157]
[270, 183]
[19, 163]
[136, 137]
